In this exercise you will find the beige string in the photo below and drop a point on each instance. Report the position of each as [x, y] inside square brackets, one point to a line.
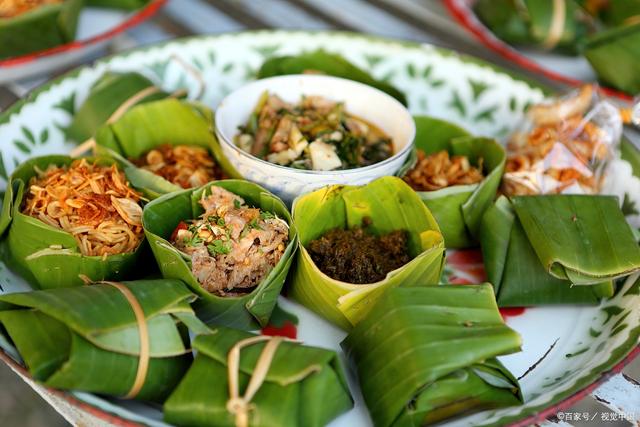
[241, 405]
[557, 24]
[143, 333]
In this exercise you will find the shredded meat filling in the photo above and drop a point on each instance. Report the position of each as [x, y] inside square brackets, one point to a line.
[233, 247]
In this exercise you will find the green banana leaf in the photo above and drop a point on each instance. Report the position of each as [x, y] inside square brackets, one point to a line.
[108, 93]
[86, 338]
[304, 386]
[617, 12]
[145, 126]
[41, 28]
[615, 57]
[391, 205]
[251, 311]
[118, 4]
[538, 249]
[424, 354]
[459, 209]
[28, 241]
[326, 63]
[528, 22]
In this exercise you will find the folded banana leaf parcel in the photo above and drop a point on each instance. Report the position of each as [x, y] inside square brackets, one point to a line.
[240, 379]
[232, 242]
[456, 175]
[424, 354]
[556, 249]
[67, 219]
[124, 339]
[164, 146]
[107, 94]
[356, 242]
[27, 27]
[614, 54]
[561, 25]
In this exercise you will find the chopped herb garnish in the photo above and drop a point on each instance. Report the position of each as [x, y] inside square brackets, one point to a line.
[266, 215]
[218, 247]
[193, 240]
[254, 224]
[221, 222]
[236, 203]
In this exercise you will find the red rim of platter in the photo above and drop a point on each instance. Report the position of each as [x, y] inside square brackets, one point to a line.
[134, 19]
[462, 12]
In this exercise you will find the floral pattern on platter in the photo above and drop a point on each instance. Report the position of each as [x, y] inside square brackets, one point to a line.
[586, 340]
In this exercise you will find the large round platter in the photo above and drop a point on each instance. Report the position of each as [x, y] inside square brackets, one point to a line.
[566, 349]
[96, 27]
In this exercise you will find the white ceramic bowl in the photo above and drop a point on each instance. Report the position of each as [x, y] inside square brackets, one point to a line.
[361, 100]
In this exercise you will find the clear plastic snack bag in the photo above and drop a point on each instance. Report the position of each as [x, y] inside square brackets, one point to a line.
[564, 146]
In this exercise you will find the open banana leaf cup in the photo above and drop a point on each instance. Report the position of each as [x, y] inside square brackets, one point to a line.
[459, 208]
[408, 359]
[41, 28]
[46, 256]
[250, 311]
[391, 205]
[88, 338]
[148, 125]
[304, 386]
[557, 249]
[107, 94]
[320, 61]
[615, 56]
[531, 23]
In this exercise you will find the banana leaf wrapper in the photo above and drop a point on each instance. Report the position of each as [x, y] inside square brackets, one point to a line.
[529, 23]
[391, 205]
[108, 93]
[118, 4]
[251, 311]
[87, 338]
[304, 386]
[42, 28]
[615, 56]
[46, 256]
[320, 61]
[458, 209]
[426, 354]
[560, 249]
[145, 126]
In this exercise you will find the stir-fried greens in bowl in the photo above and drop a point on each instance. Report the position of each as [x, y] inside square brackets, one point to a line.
[296, 133]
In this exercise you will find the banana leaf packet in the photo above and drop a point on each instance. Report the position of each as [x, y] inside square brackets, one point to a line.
[47, 256]
[40, 28]
[249, 311]
[425, 354]
[89, 338]
[303, 386]
[320, 61]
[106, 95]
[614, 55]
[458, 209]
[390, 205]
[556, 249]
[154, 123]
[537, 23]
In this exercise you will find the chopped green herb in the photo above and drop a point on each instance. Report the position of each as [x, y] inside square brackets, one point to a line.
[221, 222]
[266, 215]
[254, 224]
[218, 247]
[236, 203]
